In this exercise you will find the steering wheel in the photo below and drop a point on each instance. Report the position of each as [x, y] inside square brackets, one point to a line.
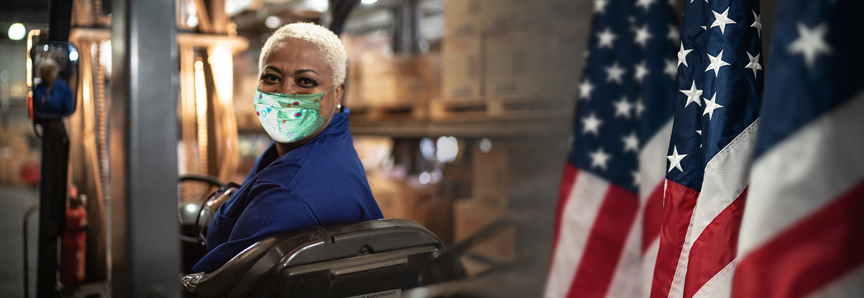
[209, 206]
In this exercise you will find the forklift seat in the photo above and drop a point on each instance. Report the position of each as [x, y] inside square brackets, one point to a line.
[378, 258]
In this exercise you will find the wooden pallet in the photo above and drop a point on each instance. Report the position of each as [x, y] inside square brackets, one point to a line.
[510, 107]
[396, 111]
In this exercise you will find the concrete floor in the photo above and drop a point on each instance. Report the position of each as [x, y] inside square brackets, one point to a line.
[14, 201]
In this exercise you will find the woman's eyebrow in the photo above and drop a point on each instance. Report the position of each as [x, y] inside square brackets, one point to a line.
[304, 71]
[273, 68]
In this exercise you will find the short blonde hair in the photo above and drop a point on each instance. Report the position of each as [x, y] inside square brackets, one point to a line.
[50, 66]
[327, 42]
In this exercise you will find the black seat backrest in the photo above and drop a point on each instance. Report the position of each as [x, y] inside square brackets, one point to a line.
[372, 257]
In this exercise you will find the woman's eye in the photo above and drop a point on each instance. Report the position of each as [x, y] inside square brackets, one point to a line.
[307, 82]
[270, 78]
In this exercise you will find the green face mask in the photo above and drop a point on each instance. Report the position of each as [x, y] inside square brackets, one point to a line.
[289, 118]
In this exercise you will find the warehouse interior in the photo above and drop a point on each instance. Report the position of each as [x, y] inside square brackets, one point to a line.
[461, 113]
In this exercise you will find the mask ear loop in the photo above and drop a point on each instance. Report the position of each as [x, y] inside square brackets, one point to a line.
[338, 105]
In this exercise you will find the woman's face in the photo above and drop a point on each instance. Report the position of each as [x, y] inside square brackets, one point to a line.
[296, 66]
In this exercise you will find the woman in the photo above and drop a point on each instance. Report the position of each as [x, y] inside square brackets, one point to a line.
[310, 175]
[52, 97]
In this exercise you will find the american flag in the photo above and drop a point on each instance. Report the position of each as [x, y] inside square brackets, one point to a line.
[714, 132]
[803, 229]
[608, 220]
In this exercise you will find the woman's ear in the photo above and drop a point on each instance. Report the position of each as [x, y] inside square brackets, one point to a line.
[338, 92]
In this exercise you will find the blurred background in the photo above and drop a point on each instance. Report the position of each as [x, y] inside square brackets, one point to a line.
[461, 113]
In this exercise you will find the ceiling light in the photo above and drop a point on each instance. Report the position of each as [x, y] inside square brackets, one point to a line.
[369, 1]
[17, 31]
[272, 22]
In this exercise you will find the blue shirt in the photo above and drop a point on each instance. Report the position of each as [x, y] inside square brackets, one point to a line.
[60, 102]
[322, 182]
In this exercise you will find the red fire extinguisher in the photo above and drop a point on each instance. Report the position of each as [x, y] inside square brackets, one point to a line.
[74, 242]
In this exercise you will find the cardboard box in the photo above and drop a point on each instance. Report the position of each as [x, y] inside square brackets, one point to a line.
[532, 60]
[472, 216]
[511, 63]
[398, 199]
[509, 14]
[464, 17]
[476, 17]
[393, 197]
[461, 68]
[396, 79]
[491, 180]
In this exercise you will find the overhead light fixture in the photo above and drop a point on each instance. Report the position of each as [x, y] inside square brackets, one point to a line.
[485, 145]
[369, 1]
[17, 31]
[272, 22]
[447, 148]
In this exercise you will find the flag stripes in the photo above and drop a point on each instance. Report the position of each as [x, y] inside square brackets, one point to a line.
[805, 242]
[820, 247]
[679, 202]
[581, 206]
[606, 241]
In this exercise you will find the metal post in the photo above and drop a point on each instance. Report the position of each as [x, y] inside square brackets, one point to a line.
[55, 165]
[52, 207]
[407, 38]
[144, 246]
[340, 10]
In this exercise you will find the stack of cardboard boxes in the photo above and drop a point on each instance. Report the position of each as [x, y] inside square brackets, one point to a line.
[489, 204]
[421, 203]
[398, 79]
[495, 48]
[379, 78]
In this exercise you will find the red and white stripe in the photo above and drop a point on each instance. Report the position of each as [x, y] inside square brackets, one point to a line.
[803, 232]
[591, 231]
[601, 245]
[652, 169]
[700, 229]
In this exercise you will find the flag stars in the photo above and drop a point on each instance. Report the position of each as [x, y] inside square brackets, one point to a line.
[682, 56]
[600, 6]
[631, 142]
[637, 180]
[585, 89]
[721, 20]
[641, 72]
[642, 36]
[599, 159]
[614, 73]
[673, 34]
[810, 43]
[716, 63]
[675, 160]
[622, 108]
[639, 108]
[693, 95]
[591, 125]
[754, 63]
[644, 3]
[671, 69]
[700, 141]
[606, 38]
[757, 24]
[710, 106]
